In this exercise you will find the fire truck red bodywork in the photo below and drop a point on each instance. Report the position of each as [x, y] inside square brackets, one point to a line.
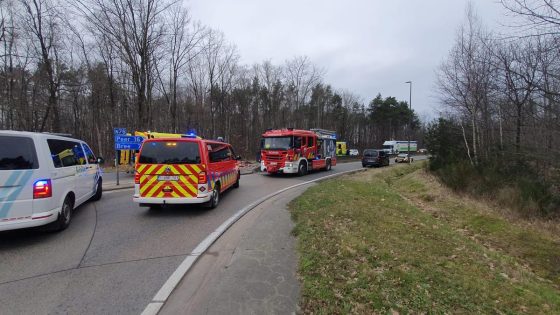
[299, 151]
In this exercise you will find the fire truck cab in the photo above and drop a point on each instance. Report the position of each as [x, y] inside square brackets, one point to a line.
[296, 151]
[184, 171]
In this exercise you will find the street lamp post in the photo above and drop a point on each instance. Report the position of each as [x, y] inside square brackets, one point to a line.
[410, 118]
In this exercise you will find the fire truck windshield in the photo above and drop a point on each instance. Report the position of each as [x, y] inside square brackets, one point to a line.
[277, 143]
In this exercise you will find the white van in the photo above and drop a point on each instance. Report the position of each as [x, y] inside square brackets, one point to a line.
[43, 177]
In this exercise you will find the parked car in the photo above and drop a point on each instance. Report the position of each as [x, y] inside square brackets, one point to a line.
[354, 152]
[43, 178]
[374, 157]
[404, 158]
[186, 170]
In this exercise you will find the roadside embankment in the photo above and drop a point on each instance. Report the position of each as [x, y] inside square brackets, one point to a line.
[394, 239]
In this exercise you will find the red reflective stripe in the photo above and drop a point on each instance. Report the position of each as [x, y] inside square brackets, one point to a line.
[157, 169]
[150, 188]
[43, 217]
[191, 170]
[179, 170]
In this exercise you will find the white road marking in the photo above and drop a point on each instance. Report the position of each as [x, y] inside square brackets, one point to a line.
[163, 294]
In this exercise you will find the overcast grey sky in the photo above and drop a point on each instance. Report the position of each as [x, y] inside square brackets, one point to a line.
[365, 46]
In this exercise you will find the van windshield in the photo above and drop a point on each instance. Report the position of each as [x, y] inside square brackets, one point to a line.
[20, 156]
[277, 143]
[169, 152]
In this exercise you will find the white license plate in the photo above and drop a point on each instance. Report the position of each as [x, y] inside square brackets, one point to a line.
[273, 163]
[167, 178]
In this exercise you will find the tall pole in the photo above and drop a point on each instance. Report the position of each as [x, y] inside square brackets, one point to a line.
[410, 117]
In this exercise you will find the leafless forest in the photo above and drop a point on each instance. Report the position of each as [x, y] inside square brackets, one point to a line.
[86, 66]
[501, 97]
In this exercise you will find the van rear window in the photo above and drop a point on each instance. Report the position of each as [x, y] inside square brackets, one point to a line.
[169, 152]
[18, 153]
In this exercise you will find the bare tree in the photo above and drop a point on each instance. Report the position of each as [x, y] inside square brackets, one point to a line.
[41, 20]
[542, 17]
[464, 79]
[136, 28]
[184, 43]
[301, 76]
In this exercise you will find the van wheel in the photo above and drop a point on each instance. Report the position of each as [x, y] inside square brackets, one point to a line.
[329, 167]
[64, 217]
[98, 190]
[236, 184]
[215, 200]
[302, 169]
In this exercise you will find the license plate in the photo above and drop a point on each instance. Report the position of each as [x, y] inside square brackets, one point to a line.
[167, 178]
[272, 163]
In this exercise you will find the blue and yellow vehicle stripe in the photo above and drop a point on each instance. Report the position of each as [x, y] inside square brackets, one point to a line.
[18, 179]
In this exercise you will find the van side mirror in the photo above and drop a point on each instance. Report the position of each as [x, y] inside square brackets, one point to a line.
[100, 160]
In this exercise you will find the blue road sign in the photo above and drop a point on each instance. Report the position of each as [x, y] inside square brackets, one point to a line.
[128, 139]
[128, 146]
[119, 131]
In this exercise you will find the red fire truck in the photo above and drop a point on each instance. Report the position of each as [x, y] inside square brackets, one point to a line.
[298, 151]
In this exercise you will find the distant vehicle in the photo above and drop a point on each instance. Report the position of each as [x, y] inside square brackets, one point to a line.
[396, 147]
[186, 170]
[404, 158]
[374, 157]
[43, 178]
[341, 148]
[423, 151]
[354, 152]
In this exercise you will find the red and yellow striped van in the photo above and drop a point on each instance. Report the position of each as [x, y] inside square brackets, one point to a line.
[184, 171]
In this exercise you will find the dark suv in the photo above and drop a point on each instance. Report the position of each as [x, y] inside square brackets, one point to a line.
[373, 157]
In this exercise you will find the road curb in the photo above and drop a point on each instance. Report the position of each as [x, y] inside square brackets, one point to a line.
[165, 291]
[120, 187]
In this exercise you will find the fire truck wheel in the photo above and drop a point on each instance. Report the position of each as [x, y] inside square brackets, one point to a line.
[236, 185]
[215, 200]
[302, 169]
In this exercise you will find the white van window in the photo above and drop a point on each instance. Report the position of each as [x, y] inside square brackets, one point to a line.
[89, 154]
[20, 156]
[66, 153]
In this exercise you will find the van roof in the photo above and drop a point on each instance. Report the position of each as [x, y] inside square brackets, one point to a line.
[187, 140]
[36, 134]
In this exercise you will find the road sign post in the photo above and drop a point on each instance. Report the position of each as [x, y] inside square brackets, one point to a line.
[118, 132]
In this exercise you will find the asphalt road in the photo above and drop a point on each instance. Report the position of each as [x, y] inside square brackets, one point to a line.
[115, 255]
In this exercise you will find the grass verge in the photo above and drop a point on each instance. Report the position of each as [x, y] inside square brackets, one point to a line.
[391, 241]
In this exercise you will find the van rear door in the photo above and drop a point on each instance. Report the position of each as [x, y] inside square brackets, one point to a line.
[18, 162]
[169, 169]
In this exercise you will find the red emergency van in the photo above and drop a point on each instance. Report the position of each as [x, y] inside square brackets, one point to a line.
[186, 170]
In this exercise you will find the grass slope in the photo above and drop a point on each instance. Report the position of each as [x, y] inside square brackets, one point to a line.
[392, 240]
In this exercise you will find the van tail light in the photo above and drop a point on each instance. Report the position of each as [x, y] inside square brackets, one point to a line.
[42, 189]
[137, 178]
[202, 178]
